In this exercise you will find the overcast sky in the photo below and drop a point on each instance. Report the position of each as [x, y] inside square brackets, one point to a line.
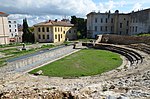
[41, 10]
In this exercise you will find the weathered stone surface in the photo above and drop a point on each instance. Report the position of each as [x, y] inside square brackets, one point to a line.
[130, 84]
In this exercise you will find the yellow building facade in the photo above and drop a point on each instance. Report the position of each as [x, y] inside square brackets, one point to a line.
[54, 31]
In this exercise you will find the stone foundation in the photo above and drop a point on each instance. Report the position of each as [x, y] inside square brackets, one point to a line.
[119, 39]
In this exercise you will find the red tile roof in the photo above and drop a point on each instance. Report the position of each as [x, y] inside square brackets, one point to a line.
[2, 13]
[54, 23]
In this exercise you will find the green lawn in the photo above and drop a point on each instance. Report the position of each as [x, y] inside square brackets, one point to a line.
[83, 63]
[144, 34]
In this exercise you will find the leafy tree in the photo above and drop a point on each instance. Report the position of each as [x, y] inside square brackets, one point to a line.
[80, 23]
[79, 35]
[28, 36]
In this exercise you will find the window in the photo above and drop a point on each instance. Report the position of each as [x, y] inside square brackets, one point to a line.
[120, 32]
[61, 35]
[43, 30]
[105, 28]
[47, 29]
[124, 18]
[130, 28]
[9, 21]
[136, 20]
[55, 36]
[95, 20]
[9, 25]
[39, 29]
[111, 28]
[58, 29]
[69, 31]
[14, 21]
[133, 20]
[101, 28]
[43, 36]
[136, 29]
[95, 28]
[133, 29]
[47, 36]
[127, 31]
[112, 20]
[61, 29]
[120, 25]
[39, 36]
[101, 20]
[127, 23]
[64, 32]
[55, 29]
[106, 20]
[15, 30]
[15, 25]
[9, 30]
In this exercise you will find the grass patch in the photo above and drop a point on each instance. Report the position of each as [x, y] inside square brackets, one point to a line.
[13, 45]
[83, 63]
[14, 52]
[86, 40]
[143, 34]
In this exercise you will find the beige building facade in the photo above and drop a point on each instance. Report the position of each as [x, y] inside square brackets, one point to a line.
[118, 23]
[54, 31]
[4, 30]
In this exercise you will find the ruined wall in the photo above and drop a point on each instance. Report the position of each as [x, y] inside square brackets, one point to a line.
[118, 39]
[36, 60]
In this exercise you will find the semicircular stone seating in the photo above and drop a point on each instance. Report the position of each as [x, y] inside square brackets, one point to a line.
[142, 47]
[132, 56]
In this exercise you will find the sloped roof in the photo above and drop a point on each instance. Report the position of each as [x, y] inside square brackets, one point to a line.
[3, 14]
[54, 23]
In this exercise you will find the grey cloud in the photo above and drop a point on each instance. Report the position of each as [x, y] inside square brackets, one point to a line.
[40, 10]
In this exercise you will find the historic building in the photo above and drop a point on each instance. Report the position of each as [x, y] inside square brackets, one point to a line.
[13, 30]
[20, 33]
[54, 31]
[4, 30]
[118, 23]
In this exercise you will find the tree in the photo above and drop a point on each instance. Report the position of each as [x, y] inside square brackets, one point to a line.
[28, 36]
[80, 23]
[74, 20]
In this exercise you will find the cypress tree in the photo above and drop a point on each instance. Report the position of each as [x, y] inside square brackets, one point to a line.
[28, 36]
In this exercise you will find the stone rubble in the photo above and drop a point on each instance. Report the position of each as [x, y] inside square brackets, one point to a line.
[128, 83]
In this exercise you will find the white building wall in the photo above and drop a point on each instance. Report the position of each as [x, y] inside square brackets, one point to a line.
[4, 33]
[124, 21]
[123, 24]
[13, 28]
[100, 23]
